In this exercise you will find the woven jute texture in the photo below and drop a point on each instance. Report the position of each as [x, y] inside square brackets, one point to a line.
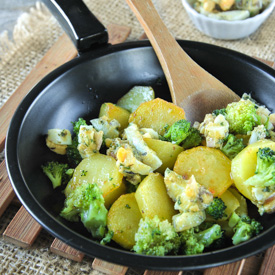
[34, 33]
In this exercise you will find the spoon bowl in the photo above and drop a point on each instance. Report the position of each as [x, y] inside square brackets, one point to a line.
[191, 87]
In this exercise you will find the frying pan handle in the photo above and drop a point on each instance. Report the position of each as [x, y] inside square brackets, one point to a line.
[79, 23]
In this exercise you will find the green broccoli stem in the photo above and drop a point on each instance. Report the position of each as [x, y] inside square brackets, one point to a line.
[94, 219]
[244, 228]
[243, 232]
[194, 240]
[208, 236]
[56, 172]
[86, 201]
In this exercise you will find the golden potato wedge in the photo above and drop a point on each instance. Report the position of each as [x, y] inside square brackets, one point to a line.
[152, 198]
[210, 167]
[244, 165]
[156, 114]
[100, 169]
[231, 202]
[166, 151]
[123, 219]
[113, 111]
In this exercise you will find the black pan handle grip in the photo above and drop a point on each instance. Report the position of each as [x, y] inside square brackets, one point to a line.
[79, 23]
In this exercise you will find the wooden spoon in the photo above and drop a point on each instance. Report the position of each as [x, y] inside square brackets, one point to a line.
[191, 87]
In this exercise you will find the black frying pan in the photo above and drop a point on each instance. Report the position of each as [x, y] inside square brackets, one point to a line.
[103, 73]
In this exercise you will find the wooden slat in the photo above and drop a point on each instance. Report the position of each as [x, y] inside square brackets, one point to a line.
[268, 264]
[252, 265]
[6, 192]
[22, 230]
[152, 272]
[109, 268]
[267, 62]
[232, 269]
[118, 33]
[60, 248]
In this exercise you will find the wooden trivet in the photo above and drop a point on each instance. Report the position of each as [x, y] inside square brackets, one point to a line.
[23, 229]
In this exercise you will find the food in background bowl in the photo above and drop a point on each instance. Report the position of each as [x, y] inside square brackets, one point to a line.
[217, 27]
[230, 10]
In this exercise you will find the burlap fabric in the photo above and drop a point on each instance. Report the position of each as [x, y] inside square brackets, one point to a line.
[34, 33]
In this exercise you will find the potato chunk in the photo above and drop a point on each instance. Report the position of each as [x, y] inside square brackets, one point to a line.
[152, 198]
[156, 114]
[113, 111]
[244, 165]
[123, 219]
[102, 170]
[210, 167]
[166, 151]
[231, 202]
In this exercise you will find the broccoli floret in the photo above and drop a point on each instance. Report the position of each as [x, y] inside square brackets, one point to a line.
[181, 132]
[156, 237]
[193, 139]
[87, 203]
[232, 146]
[216, 208]
[242, 116]
[57, 172]
[244, 228]
[194, 240]
[265, 169]
[77, 124]
[108, 237]
[72, 153]
[219, 112]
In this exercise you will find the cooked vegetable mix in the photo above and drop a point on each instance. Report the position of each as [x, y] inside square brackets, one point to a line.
[142, 176]
[230, 10]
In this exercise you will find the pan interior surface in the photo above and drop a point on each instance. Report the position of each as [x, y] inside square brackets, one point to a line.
[78, 89]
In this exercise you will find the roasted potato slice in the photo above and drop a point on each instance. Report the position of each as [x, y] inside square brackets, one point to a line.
[210, 167]
[156, 114]
[123, 219]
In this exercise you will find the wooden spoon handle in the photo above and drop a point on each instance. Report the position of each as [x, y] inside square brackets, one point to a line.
[164, 44]
[190, 85]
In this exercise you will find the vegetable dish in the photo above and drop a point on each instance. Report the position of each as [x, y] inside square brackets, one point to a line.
[142, 176]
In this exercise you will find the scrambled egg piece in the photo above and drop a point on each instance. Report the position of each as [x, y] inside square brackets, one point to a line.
[57, 148]
[258, 133]
[134, 158]
[127, 161]
[58, 139]
[149, 133]
[109, 128]
[264, 200]
[215, 130]
[145, 154]
[90, 140]
[190, 199]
